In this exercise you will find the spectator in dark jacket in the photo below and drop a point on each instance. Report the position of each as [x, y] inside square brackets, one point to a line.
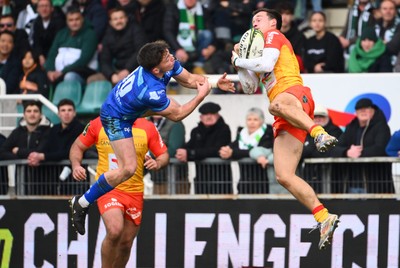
[49, 21]
[323, 52]
[321, 117]
[21, 40]
[30, 136]
[10, 63]
[121, 44]
[148, 14]
[205, 141]
[94, 13]
[34, 79]
[365, 136]
[312, 173]
[62, 135]
[289, 29]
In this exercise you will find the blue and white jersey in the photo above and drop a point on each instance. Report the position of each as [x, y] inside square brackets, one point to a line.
[137, 93]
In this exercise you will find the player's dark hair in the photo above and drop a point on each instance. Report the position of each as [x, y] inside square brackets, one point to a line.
[151, 54]
[36, 103]
[272, 14]
[318, 12]
[65, 102]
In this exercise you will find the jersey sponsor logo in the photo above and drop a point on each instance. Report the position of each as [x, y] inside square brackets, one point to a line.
[133, 213]
[154, 96]
[113, 203]
[270, 36]
[127, 129]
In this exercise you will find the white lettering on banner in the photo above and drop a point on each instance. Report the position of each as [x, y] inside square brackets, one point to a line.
[34, 222]
[347, 222]
[101, 234]
[277, 255]
[160, 243]
[372, 241]
[298, 249]
[193, 248]
[229, 246]
[394, 241]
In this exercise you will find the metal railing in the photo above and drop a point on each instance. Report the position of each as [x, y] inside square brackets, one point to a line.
[330, 177]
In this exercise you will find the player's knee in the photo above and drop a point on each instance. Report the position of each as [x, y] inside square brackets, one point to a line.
[114, 233]
[129, 171]
[282, 179]
[275, 108]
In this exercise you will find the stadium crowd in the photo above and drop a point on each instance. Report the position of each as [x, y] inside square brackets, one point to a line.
[45, 42]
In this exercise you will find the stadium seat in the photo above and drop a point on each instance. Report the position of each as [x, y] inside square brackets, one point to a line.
[68, 90]
[94, 96]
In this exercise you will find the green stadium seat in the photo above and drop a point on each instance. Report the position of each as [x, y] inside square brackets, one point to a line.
[95, 94]
[68, 90]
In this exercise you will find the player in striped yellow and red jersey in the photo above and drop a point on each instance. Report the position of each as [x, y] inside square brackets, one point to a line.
[293, 107]
[121, 208]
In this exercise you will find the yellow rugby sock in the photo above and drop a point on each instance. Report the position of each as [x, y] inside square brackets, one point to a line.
[315, 130]
[320, 213]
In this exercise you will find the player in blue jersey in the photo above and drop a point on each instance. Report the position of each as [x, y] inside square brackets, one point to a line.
[140, 94]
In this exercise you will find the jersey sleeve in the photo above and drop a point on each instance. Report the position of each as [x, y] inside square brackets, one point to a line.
[274, 39]
[177, 68]
[90, 134]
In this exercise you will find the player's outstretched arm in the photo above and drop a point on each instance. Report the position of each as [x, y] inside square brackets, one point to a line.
[75, 156]
[225, 84]
[189, 80]
[263, 64]
[177, 112]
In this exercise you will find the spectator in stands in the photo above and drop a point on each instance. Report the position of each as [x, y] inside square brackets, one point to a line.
[369, 54]
[95, 14]
[323, 52]
[62, 135]
[129, 7]
[256, 141]
[21, 41]
[316, 7]
[26, 18]
[31, 135]
[289, 29]
[188, 31]
[312, 173]
[231, 18]
[393, 146]
[365, 136]
[173, 135]
[72, 54]
[34, 79]
[45, 27]
[359, 16]
[120, 46]
[321, 117]
[205, 141]
[388, 27]
[148, 14]
[10, 64]
[2, 139]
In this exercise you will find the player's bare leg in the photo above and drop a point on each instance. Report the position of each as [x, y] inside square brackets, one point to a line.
[287, 153]
[287, 106]
[116, 246]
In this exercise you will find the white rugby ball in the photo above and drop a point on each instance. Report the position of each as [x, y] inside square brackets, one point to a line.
[251, 44]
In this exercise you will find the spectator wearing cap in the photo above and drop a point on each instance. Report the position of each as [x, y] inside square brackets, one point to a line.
[366, 136]
[369, 54]
[321, 117]
[205, 141]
